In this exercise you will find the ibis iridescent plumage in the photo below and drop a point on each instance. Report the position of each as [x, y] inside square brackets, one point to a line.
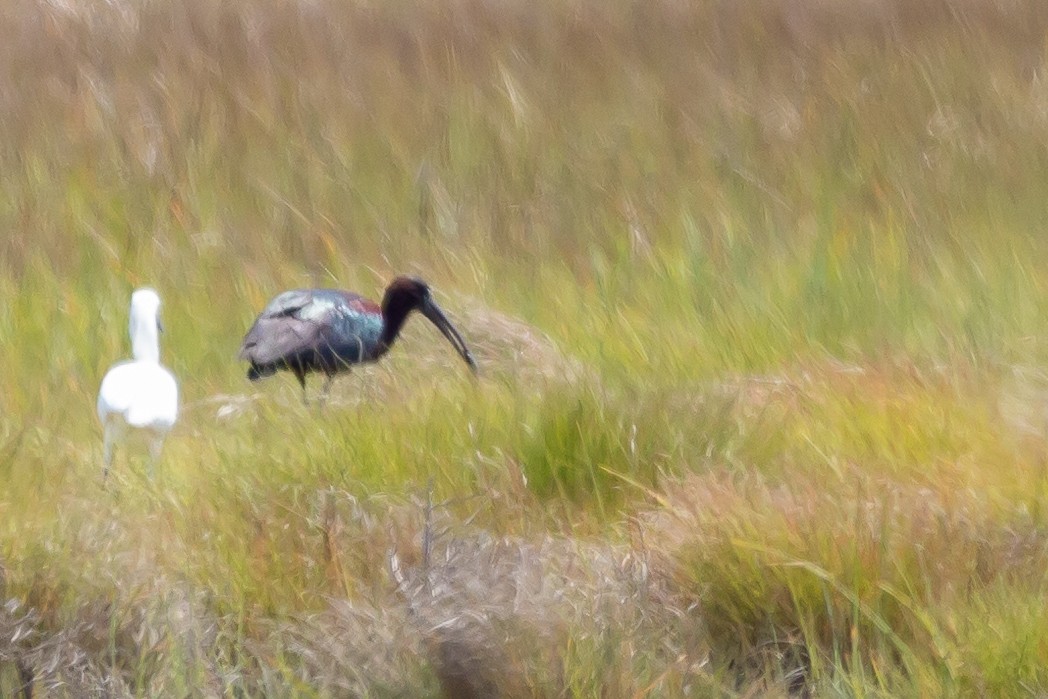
[329, 330]
[139, 396]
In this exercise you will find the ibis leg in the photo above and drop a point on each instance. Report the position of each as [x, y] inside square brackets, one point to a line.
[301, 376]
[327, 387]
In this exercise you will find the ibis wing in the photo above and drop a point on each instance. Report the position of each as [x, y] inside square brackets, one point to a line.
[359, 304]
[293, 322]
[272, 340]
[316, 303]
[288, 303]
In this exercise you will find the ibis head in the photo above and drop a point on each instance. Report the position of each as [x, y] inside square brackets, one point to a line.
[406, 294]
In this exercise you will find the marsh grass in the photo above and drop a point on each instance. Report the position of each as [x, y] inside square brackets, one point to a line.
[757, 290]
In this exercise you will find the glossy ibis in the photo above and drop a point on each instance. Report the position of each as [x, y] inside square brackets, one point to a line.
[329, 330]
[139, 395]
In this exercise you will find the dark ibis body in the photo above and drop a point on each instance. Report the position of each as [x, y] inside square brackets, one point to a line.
[328, 330]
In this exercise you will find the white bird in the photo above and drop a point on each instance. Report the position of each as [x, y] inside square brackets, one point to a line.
[141, 395]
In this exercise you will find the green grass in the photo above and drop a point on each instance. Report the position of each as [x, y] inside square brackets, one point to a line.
[758, 291]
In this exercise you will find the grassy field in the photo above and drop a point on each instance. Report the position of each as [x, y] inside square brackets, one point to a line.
[759, 291]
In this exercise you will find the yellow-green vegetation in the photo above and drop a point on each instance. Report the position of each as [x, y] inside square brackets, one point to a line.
[759, 291]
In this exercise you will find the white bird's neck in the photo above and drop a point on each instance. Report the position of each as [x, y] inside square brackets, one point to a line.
[145, 338]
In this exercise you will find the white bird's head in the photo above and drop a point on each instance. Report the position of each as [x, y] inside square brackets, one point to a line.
[145, 325]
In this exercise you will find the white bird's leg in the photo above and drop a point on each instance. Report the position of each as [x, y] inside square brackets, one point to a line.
[107, 450]
[155, 445]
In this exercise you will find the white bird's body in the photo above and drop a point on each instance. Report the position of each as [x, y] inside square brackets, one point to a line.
[141, 395]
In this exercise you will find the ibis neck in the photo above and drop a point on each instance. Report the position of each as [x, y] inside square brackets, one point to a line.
[395, 311]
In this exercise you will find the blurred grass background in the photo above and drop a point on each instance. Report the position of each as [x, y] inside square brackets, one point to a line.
[759, 292]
